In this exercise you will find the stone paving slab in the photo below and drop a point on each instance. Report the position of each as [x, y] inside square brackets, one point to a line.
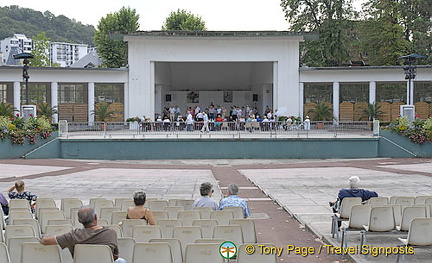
[13, 170]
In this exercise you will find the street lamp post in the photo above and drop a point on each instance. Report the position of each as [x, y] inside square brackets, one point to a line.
[26, 57]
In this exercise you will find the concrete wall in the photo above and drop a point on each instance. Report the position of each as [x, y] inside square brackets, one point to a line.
[395, 145]
[8, 150]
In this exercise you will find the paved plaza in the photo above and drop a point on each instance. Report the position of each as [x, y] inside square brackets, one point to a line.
[288, 198]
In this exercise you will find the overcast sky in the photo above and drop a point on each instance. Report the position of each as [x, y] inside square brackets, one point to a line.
[222, 15]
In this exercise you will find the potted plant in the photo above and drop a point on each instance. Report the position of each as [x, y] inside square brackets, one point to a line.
[322, 112]
[45, 109]
[133, 123]
[103, 113]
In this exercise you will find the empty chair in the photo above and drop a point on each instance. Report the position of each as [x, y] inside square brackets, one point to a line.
[204, 211]
[143, 233]
[359, 217]
[157, 204]
[103, 222]
[118, 201]
[397, 213]
[126, 204]
[232, 233]
[67, 203]
[167, 226]
[117, 228]
[409, 213]
[126, 247]
[117, 217]
[176, 250]
[248, 229]
[44, 203]
[85, 253]
[18, 231]
[205, 252]
[381, 220]
[206, 225]
[74, 217]
[173, 211]
[19, 203]
[15, 247]
[187, 216]
[186, 203]
[29, 221]
[127, 225]
[2, 220]
[222, 216]
[92, 201]
[60, 222]
[159, 214]
[243, 257]
[46, 215]
[54, 230]
[428, 201]
[404, 201]
[98, 204]
[173, 202]
[106, 212]
[419, 234]
[344, 213]
[17, 214]
[38, 253]
[237, 211]
[186, 235]
[420, 200]
[210, 240]
[152, 252]
[378, 201]
[4, 253]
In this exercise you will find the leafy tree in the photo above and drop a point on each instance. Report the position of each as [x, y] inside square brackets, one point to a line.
[327, 18]
[44, 109]
[184, 20]
[114, 51]
[40, 51]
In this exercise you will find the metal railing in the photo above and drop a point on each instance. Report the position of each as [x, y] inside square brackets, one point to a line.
[215, 130]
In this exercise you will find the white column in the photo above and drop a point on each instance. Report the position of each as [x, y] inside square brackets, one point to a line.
[372, 92]
[54, 100]
[301, 100]
[17, 95]
[412, 92]
[276, 91]
[152, 91]
[126, 100]
[336, 87]
[91, 101]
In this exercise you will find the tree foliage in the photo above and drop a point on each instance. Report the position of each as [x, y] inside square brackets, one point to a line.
[114, 51]
[184, 20]
[40, 51]
[16, 20]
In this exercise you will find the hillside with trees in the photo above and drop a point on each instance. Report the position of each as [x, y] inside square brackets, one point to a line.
[17, 20]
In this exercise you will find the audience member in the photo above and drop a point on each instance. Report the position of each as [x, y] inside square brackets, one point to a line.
[5, 204]
[90, 234]
[232, 200]
[206, 191]
[21, 194]
[139, 211]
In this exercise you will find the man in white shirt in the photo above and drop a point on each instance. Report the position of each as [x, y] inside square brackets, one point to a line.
[205, 127]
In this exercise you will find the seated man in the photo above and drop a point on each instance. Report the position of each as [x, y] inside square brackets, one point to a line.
[206, 191]
[90, 234]
[233, 200]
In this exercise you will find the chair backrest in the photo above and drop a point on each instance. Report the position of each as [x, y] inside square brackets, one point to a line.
[74, 217]
[167, 226]
[176, 249]
[409, 213]
[186, 203]
[173, 211]
[49, 214]
[172, 201]
[420, 232]
[204, 252]
[159, 214]
[143, 233]
[4, 253]
[233, 233]
[222, 216]
[15, 247]
[237, 211]
[54, 230]
[44, 203]
[421, 199]
[248, 229]
[186, 235]
[117, 228]
[85, 253]
[187, 216]
[428, 201]
[17, 214]
[157, 204]
[243, 257]
[19, 203]
[152, 252]
[210, 240]
[204, 211]
[98, 204]
[29, 221]
[103, 222]
[106, 212]
[35, 252]
[18, 231]
[126, 204]
[347, 203]
[92, 201]
[126, 247]
[118, 201]
[67, 203]
[128, 224]
[206, 225]
[378, 201]
[359, 216]
[2, 220]
[381, 219]
[117, 217]
[60, 222]
[397, 213]
[404, 201]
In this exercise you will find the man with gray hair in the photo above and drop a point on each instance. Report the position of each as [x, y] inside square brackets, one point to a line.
[232, 200]
[90, 234]
[206, 191]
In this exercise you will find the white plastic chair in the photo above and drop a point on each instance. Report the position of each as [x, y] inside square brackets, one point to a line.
[222, 216]
[159, 252]
[46, 214]
[38, 253]
[188, 216]
[15, 247]
[186, 203]
[176, 249]
[126, 247]
[29, 221]
[85, 253]
[421, 199]
[128, 224]
[360, 216]
[232, 233]
[4, 253]
[186, 235]
[173, 211]
[409, 213]
[54, 230]
[243, 257]
[204, 252]
[117, 217]
[343, 214]
[18, 231]
[378, 201]
[67, 203]
[19, 203]
[44, 203]
[19, 214]
[404, 201]
[167, 226]
[106, 212]
[98, 204]
[157, 204]
[419, 234]
[204, 211]
[143, 233]
[248, 229]
[207, 226]
[237, 211]
[159, 214]
[381, 220]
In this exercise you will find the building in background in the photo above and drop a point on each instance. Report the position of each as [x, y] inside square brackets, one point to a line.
[66, 54]
[16, 44]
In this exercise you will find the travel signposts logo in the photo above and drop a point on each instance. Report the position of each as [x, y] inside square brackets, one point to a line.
[228, 250]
